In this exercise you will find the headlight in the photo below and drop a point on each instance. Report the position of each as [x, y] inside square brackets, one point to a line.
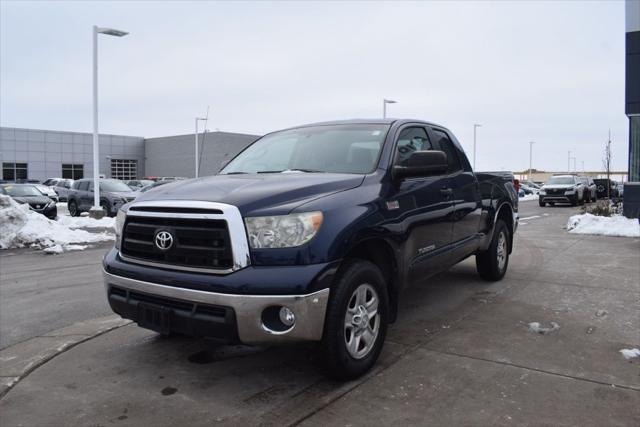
[122, 215]
[283, 231]
[543, 192]
[570, 191]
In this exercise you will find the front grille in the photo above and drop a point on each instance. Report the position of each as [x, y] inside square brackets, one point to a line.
[555, 192]
[197, 243]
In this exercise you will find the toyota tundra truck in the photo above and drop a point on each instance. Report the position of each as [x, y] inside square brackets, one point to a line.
[310, 234]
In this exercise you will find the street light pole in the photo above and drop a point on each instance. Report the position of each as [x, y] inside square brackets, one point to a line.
[530, 158]
[96, 154]
[475, 126]
[196, 140]
[384, 106]
[569, 162]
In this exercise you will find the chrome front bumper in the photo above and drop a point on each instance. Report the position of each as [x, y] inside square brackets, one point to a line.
[309, 309]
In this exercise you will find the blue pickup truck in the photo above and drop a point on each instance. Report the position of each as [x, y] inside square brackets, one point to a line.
[310, 234]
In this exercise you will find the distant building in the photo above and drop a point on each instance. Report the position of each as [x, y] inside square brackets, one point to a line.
[41, 154]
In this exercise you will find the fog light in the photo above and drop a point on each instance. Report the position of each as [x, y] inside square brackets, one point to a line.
[287, 317]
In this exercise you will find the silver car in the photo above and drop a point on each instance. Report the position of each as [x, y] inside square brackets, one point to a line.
[63, 187]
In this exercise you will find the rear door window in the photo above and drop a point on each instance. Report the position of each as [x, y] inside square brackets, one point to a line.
[443, 142]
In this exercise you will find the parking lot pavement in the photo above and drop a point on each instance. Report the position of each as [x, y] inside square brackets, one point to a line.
[40, 293]
[461, 353]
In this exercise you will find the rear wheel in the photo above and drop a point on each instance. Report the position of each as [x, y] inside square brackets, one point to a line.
[492, 264]
[73, 208]
[356, 321]
[106, 207]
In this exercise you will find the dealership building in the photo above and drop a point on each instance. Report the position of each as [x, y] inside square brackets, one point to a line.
[41, 154]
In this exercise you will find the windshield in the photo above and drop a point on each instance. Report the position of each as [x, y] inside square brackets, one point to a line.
[114, 186]
[22, 190]
[351, 148]
[561, 180]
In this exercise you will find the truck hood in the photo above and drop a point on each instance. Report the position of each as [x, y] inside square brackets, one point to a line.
[257, 194]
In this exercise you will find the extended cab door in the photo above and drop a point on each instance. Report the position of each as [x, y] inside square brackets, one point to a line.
[466, 196]
[423, 208]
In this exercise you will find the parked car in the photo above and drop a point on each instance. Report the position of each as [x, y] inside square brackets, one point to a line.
[620, 189]
[62, 188]
[528, 189]
[51, 181]
[27, 181]
[47, 191]
[137, 184]
[310, 234]
[532, 184]
[29, 194]
[562, 189]
[591, 191]
[602, 184]
[113, 194]
[154, 185]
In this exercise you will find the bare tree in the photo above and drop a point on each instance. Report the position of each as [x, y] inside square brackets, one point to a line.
[606, 163]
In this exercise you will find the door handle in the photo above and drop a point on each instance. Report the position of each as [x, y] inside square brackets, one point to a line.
[446, 192]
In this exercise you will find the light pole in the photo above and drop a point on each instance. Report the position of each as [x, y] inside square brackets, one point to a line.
[574, 164]
[384, 106]
[530, 158]
[475, 126]
[569, 162]
[96, 210]
[197, 162]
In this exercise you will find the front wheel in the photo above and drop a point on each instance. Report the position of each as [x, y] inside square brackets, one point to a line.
[541, 204]
[356, 321]
[73, 208]
[492, 263]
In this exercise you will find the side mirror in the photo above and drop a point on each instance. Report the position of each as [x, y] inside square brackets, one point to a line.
[423, 163]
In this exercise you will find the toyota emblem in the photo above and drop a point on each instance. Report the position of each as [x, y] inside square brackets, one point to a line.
[164, 240]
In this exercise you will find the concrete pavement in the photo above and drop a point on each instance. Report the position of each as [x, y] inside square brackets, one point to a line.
[461, 353]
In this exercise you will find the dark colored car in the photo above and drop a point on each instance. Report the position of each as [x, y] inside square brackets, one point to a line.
[29, 194]
[310, 234]
[113, 195]
[606, 188]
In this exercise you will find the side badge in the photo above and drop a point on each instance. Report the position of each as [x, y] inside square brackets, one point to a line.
[393, 204]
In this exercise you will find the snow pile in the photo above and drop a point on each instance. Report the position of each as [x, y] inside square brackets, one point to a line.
[86, 222]
[529, 197]
[539, 329]
[616, 225]
[630, 353]
[20, 227]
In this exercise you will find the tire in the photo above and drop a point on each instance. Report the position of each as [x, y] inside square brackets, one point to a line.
[106, 207]
[574, 202]
[73, 208]
[541, 204]
[552, 204]
[342, 361]
[492, 264]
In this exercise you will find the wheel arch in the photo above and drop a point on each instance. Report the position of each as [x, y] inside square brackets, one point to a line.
[381, 253]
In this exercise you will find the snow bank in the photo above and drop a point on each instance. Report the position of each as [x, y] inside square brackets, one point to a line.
[20, 227]
[616, 225]
[86, 222]
[630, 353]
[528, 197]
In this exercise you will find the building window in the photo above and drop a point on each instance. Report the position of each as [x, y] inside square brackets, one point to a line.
[70, 171]
[124, 169]
[14, 171]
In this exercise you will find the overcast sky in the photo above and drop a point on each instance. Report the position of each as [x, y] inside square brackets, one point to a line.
[551, 72]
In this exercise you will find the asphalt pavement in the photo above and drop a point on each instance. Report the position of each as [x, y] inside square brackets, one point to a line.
[461, 352]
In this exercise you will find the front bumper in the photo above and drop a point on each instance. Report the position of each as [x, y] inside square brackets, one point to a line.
[224, 316]
[50, 211]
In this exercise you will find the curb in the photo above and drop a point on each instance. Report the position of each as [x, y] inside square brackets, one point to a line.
[19, 360]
